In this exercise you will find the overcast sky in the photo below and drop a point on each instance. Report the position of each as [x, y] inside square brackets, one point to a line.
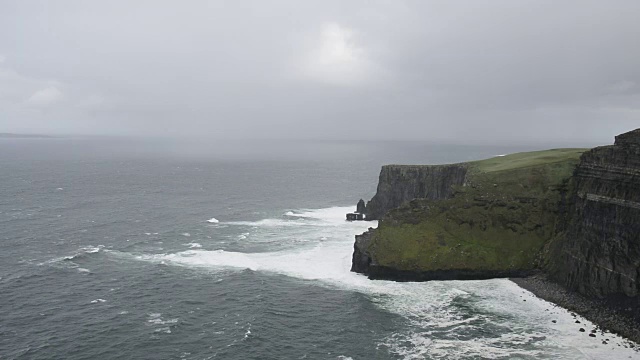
[476, 71]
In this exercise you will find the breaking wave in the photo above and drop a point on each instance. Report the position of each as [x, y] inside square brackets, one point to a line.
[444, 319]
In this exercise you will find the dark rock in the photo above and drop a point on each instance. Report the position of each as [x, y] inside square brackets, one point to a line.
[631, 138]
[592, 335]
[593, 309]
[399, 184]
[360, 208]
[354, 216]
[553, 321]
[361, 259]
[582, 330]
[377, 272]
[599, 245]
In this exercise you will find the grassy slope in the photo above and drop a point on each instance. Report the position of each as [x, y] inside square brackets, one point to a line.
[499, 220]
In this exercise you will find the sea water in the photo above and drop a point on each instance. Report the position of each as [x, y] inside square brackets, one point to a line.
[123, 248]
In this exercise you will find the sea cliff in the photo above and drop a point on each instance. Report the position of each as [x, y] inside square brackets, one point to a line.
[571, 216]
[398, 184]
[483, 219]
[597, 249]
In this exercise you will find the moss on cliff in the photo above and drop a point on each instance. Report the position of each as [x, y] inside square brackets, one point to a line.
[498, 220]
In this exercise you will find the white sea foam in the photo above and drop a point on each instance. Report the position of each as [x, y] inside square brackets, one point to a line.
[92, 249]
[155, 319]
[78, 254]
[194, 245]
[98, 301]
[160, 321]
[334, 216]
[213, 221]
[83, 270]
[186, 234]
[437, 313]
[269, 223]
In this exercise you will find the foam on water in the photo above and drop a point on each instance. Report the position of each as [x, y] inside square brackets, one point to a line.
[213, 221]
[270, 223]
[452, 319]
[81, 253]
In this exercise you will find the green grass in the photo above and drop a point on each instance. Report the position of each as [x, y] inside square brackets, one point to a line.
[527, 159]
[499, 220]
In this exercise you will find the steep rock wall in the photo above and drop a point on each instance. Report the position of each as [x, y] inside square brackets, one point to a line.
[483, 219]
[399, 184]
[598, 250]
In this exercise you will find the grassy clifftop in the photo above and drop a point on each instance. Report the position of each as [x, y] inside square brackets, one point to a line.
[497, 221]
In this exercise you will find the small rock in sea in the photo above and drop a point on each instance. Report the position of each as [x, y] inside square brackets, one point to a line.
[553, 321]
[577, 321]
[524, 300]
[582, 330]
[604, 343]
[592, 335]
[593, 331]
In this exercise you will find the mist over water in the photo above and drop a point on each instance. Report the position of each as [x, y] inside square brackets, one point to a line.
[109, 250]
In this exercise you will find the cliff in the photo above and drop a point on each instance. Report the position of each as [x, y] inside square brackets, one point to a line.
[597, 249]
[572, 216]
[398, 184]
[475, 220]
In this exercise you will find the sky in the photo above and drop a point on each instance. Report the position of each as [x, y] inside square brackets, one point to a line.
[453, 71]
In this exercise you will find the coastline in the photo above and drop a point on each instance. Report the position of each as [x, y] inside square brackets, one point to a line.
[605, 315]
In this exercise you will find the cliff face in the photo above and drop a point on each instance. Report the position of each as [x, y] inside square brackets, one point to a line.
[399, 184]
[597, 252]
[479, 220]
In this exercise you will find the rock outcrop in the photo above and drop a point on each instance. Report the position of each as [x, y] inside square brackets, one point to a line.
[571, 215]
[399, 184]
[361, 258]
[361, 208]
[484, 219]
[597, 250]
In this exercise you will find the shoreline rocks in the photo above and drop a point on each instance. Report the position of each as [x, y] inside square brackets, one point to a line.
[606, 315]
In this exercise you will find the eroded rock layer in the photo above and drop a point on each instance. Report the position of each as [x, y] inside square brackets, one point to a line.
[399, 184]
[598, 250]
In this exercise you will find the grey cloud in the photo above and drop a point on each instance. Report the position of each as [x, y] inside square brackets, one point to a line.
[463, 71]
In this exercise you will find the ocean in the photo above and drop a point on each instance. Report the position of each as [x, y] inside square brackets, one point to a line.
[120, 248]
